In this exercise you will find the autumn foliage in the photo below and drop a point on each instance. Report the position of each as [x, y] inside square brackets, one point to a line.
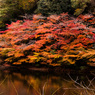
[55, 40]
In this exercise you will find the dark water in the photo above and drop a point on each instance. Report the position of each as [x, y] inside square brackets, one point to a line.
[35, 83]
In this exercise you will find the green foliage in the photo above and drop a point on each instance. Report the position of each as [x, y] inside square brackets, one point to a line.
[47, 7]
[27, 5]
[79, 6]
[10, 9]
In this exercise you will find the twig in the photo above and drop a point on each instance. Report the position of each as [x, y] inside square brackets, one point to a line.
[81, 85]
[14, 88]
[43, 93]
[76, 82]
[64, 93]
[85, 85]
[92, 73]
[36, 90]
[28, 88]
[80, 89]
[56, 90]
[90, 82]
[4, 80]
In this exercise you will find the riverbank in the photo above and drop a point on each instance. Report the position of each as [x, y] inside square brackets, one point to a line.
[56, 70]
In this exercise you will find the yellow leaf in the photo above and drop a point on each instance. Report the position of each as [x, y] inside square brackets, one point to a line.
[17, 63]
[18, 54]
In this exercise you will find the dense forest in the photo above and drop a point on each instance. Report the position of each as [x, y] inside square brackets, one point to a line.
[12, 10]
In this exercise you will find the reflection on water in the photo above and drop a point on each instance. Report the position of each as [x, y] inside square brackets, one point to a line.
[42, 84]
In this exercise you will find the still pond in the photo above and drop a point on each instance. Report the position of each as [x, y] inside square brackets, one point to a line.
[39, 83]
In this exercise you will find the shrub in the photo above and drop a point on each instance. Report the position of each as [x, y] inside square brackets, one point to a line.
[10, 9]
[91, 7]
[79, 6]
[27, 5]
[47, 7]
[55, 40]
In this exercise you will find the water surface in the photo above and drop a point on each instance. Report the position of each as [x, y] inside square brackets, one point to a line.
[38, 83]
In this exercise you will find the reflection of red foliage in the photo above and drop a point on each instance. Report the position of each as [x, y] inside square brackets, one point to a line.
[55, 35]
